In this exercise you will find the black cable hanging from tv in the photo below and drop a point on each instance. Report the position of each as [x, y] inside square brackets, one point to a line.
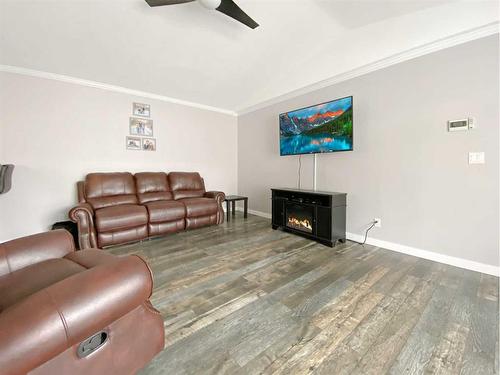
[300, 166]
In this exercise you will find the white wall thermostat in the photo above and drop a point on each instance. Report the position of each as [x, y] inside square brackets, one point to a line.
[461, 125]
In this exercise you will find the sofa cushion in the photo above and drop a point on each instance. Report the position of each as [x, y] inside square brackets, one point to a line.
[120, 217]
[110, 189]
[161, 211]
[152, 186]
[196, 207]
[186, 184]
[28, 280]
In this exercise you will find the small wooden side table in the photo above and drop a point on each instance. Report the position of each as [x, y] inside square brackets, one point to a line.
[232, 199]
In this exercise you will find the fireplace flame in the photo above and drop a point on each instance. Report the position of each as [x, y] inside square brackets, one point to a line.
[304, 223]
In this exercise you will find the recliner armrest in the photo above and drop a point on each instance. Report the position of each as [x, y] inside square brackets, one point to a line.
[219, 196]
[84, 207]
[83, 216]
[25, 251]
[54, 319]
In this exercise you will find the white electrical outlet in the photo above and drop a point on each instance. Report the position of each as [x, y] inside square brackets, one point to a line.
[378, 222]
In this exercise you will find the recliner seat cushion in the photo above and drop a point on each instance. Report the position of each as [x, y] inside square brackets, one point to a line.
[162, 211]
[196, 207]
[120, 217]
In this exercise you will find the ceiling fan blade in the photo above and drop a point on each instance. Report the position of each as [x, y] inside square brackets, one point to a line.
[157, 3]
[229, 8]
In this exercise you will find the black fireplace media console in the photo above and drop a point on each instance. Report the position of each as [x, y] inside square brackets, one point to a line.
[318, 215]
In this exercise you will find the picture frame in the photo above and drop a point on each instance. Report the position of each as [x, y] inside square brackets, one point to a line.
[133, 143]
[149, 144]
[141, 127]
[141, 109]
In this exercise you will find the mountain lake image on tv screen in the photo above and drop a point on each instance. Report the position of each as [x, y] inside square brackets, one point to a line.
[321, 128]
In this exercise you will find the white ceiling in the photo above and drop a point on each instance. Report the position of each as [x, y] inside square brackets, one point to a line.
[189, 53]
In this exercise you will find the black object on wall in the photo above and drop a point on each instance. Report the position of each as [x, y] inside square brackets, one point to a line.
[70, 227]
[318, 215]
[6, 177]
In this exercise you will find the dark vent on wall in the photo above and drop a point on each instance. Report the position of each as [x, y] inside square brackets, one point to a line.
[5, 177]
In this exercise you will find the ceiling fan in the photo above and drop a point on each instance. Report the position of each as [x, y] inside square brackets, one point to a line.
[228, 7]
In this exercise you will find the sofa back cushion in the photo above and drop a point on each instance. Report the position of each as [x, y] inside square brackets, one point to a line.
[110, 189]
[152, 186]
[186, 184]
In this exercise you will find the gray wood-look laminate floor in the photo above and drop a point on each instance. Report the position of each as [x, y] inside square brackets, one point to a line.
[241, 298]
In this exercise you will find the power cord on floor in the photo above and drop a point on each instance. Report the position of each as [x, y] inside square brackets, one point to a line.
[366, 234]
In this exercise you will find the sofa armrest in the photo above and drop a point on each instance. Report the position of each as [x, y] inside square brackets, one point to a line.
[83, 216]
[25, 251]
[62, 315]
[219, 196]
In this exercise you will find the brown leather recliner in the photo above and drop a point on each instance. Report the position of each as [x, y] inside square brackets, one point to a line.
[117, 208]
[165, 214]
[202, 208]
[67, 312]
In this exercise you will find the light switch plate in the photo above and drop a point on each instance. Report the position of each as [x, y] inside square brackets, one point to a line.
[472, 123]
[476, 158]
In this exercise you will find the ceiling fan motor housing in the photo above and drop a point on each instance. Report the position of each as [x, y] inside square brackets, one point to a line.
[210, 4]
[228, 7]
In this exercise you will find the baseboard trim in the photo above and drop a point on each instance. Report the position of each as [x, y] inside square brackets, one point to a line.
[254, 212]
[419, 253]
[429, 255]
[108, 87]
[259, 213]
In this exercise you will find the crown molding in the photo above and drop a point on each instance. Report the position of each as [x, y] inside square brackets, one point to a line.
[108, 87]
[437, 45]
[450, 41]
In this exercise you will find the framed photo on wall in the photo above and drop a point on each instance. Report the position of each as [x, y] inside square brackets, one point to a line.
[149, 144]
[141, 109]
[141, 126]
[134, 143]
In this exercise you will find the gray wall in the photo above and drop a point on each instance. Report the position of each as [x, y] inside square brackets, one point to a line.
[405, 168]
[57, 132]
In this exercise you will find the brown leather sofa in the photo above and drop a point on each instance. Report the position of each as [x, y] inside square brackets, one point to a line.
[57, 306]
[116, 208]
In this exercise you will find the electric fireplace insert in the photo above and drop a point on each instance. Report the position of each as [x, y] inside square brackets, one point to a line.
[317, 215]
[299, 217]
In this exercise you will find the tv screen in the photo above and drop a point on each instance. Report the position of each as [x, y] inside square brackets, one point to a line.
[325, 127]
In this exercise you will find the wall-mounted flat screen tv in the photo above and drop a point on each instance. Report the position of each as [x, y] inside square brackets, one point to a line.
[325, 127]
